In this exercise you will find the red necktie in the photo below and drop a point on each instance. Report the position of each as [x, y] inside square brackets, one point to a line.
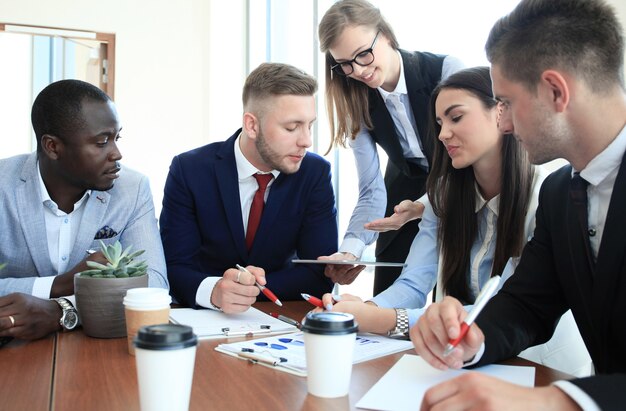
[257, 207]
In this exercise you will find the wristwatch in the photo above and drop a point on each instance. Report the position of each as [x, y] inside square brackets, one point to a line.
[402, 324]
[69, 319]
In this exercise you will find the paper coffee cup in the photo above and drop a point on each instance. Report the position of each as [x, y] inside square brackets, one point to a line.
[145, 306]
[329, 339]
[165, 357]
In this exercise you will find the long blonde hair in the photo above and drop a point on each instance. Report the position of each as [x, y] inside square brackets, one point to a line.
[346, 99]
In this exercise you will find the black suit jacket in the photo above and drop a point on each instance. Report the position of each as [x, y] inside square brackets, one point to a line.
[554, 274]
[404, 179]
[202, 226]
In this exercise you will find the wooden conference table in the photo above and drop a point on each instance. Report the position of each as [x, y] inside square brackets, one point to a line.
[70, 371]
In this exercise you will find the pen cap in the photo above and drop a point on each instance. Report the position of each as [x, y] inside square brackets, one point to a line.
[329, 323]
[162, 337]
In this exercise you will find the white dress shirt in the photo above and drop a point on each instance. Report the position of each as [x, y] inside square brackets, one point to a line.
[61, 232]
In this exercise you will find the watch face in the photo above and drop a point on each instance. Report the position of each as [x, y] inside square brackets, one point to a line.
[70, 320]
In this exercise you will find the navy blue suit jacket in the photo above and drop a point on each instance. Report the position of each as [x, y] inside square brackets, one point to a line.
[202, 226]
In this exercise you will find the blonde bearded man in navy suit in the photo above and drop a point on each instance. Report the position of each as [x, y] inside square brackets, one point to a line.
[209, 192]
[60, 201]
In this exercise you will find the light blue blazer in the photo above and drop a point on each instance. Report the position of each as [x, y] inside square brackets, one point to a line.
[125, 213]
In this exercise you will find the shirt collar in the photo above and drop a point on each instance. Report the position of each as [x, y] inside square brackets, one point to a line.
[492, 204]
[245, 169]
[607, 161]
[400, 87]
[45, 196]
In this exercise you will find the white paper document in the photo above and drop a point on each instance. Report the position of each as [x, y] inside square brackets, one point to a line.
[286, 352]
[404, 385]
[215, 324]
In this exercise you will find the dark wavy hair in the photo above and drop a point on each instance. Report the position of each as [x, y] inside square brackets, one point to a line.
[452, 194]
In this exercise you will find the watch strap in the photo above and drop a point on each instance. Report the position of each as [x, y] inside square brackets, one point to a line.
[66, 306]
[402, 323]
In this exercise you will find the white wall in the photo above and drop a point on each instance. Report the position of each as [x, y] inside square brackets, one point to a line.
[180, 66]
[171, 93]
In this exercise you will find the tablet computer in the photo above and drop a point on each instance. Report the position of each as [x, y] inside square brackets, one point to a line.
[350, 262]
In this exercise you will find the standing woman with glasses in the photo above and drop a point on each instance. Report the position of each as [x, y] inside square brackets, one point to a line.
[377, 93]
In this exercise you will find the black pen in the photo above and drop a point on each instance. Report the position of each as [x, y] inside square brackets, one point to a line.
[287, 320]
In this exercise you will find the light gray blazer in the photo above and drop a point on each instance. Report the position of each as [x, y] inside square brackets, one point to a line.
[126, 210]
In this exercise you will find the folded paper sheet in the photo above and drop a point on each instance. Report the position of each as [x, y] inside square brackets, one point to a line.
[404, 385]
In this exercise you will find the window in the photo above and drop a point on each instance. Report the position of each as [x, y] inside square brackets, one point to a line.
[38, 57]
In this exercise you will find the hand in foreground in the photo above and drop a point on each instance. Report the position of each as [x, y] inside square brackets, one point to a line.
[404, 212]
[341, 273]
[440, 323]
[236, 291]
[475, 391]
[370, 317]
[32, 317]
[328, 299]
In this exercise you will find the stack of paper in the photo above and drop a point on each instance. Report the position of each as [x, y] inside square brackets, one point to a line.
[216, 324]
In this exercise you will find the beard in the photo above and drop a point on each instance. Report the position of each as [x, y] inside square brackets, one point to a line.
[271, 157]
[550, 141]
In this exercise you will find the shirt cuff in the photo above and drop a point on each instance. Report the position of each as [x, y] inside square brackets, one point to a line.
[477, 357]
[353, 246]
[579, 396]
[43, 287]
[414, 315]
[203, 294]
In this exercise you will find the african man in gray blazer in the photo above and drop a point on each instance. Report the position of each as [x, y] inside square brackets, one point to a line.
[60, 201]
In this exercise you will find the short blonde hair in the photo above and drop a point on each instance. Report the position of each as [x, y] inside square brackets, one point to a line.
[275, 79]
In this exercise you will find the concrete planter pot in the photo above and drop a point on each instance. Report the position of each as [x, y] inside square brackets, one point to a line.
[99, 304]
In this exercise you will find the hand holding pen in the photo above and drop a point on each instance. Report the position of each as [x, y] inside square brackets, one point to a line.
[237, 290]
[440, 327]
[485, 295]
[266, 291]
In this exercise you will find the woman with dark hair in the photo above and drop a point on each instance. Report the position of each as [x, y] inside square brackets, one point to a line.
[377, 94]
[482, 193]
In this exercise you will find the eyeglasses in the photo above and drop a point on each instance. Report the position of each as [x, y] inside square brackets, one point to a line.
[364, 58]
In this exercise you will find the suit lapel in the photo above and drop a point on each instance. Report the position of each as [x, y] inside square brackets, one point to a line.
[30, 211]
[228, 186]
[419, 95]
[610, 262]
[93, 216]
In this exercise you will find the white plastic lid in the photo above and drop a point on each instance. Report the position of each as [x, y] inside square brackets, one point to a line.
[145, 298]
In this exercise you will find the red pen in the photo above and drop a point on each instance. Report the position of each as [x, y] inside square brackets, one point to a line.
[313, 300]
[272, 297]
[486, 293]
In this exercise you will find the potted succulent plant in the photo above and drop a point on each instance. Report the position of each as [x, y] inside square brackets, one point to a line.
[100, 290]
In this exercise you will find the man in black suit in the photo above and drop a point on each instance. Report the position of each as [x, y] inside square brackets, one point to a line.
[558, 69]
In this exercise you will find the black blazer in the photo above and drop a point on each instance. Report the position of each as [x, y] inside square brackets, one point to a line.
[404, 179]
[554, 274]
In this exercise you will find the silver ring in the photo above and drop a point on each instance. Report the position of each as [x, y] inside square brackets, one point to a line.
[238, 274]
[12, 321]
